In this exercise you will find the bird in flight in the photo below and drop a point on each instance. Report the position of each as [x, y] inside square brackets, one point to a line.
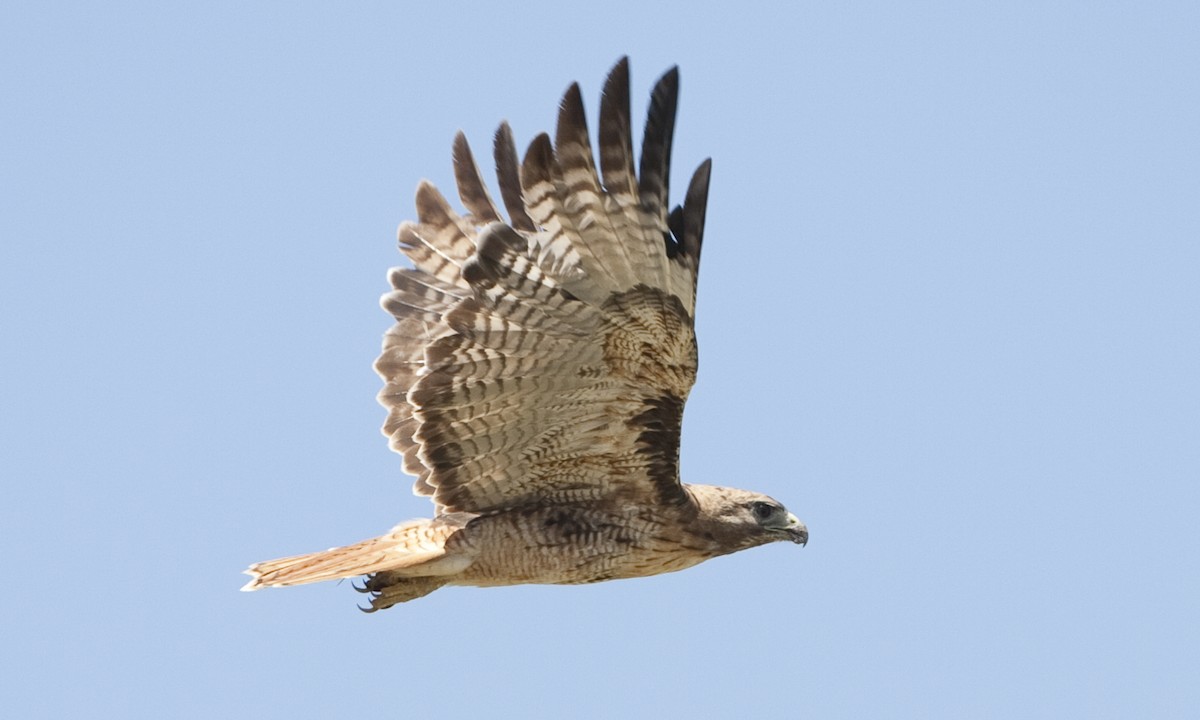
[536, 374]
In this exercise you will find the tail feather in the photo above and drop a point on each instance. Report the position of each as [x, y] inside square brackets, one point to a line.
[409, 544]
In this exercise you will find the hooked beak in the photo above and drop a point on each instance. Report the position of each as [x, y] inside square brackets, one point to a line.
[797, 531]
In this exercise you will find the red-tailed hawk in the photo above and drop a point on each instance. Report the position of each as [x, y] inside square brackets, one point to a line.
[537, 372]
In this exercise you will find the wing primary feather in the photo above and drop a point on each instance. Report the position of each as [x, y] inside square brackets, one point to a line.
[471, 188]
[574, 150]
[442, 229]
[695, 205]
[654, 178]
[508, 173]
[537, 180]
[555, 247]
[616, 138]
[581, 198]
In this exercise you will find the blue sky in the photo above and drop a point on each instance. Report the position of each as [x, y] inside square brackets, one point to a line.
[949, 314]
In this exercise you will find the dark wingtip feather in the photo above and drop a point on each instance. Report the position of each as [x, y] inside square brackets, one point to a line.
[570, 113]
[431, 205]
[538, 162]
[470, 184]
[616, 85]
[616, 138]
[695, 207]
[571, 134]
[687, 221]
[508, 174]
[654, 178]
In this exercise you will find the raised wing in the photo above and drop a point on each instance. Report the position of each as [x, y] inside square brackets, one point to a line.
[548, 359]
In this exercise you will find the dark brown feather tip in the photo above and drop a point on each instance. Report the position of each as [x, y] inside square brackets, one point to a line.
[537, 167]
[471, 189]
[695, 206]
[654, 178]
[572, 122]
[508, 173]
[616, 141]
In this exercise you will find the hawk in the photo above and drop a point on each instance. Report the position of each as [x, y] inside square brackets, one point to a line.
[536, 374]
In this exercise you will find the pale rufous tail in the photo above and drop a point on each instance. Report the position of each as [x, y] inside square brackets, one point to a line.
[409, 544]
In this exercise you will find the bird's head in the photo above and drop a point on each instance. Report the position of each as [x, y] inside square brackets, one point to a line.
[739, 519]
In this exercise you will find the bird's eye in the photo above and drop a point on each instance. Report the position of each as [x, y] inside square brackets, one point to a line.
[762, 510]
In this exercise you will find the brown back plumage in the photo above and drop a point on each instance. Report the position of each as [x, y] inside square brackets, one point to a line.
[548, 359]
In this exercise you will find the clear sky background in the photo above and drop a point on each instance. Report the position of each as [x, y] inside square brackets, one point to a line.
[949, 314]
